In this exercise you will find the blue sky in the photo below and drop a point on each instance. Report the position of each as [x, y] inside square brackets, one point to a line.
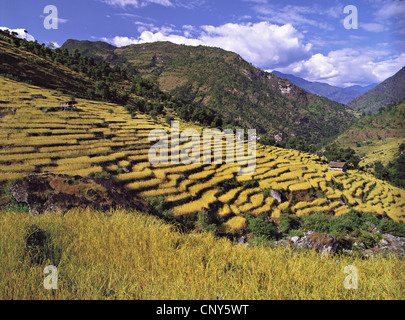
[304, 38]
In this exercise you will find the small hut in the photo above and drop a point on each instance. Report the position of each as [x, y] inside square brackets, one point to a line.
[338, 166]
[67, 105]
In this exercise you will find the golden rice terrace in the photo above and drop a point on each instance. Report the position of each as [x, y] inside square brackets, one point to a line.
[100, 137]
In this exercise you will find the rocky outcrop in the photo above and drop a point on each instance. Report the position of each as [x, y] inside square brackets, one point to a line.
[321, 242]
[60, 193]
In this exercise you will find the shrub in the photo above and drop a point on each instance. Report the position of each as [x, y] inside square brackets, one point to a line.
[169, 119]
[262, 228]
[317, 222]
[367, 239]
[205, 222]
[346, 223]
[390, 226]
[288, 222]
[39, 247]
[227, 185]
[251, 184]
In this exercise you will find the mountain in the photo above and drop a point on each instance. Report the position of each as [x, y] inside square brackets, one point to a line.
[392, 90]
[363, 89]
[376, 137]
[223, 81]
[342, 95]
[23, 65]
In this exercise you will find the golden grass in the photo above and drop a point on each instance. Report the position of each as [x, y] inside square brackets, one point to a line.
[206, 199]
[147, 259]
[233, 225]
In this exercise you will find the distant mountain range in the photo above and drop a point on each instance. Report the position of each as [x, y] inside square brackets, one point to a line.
[390, 91]
[224, 82]
[342, 95]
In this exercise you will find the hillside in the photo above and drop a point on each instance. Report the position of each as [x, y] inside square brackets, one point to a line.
[226, 83]
[377, 137]
[392, 90]
[342, 95]
[103, 139]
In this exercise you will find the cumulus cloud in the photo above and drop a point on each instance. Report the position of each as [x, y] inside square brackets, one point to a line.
[348, 66]
[263, 44]
[20, 33]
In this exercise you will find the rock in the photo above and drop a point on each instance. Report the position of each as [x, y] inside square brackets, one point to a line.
[322, 242]
[384, 242]
[60, 193]
[31, 191]
[295, 239]
[276, 195]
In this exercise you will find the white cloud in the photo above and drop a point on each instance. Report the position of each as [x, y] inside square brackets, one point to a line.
[348, 66]
[263, 44]
[138, 3]
[188, 4]
[373, 27]
[297, 15]
[391, 9]
[20, 33]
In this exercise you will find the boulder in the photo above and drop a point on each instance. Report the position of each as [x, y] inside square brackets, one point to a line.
[322, 242]
[60, 193]
[276, 195]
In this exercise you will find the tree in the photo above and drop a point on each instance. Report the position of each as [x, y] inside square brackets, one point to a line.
[51, 45]
[102, 90]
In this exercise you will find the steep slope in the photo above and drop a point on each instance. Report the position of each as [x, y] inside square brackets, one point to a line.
[342, 95]
[18, 63]
[223, 81]
[377, 137]
[392, 90]
[103, 140]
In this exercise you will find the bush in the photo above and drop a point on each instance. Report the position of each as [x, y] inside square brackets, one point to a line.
[169, 119]
[227, 185]
[262, 228]
[39, 247]
[367, 239]
[390, 226]
[345, 224]
[251, 184]
[205, 222]
[317, 222]
[158, 207]
[288, 222]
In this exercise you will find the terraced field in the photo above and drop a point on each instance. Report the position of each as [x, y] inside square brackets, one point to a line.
[102, 138]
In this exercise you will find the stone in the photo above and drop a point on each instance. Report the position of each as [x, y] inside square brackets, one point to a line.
[276, 195]
[384, 242]
[322, 242]
[60, 193]
[295, 239]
